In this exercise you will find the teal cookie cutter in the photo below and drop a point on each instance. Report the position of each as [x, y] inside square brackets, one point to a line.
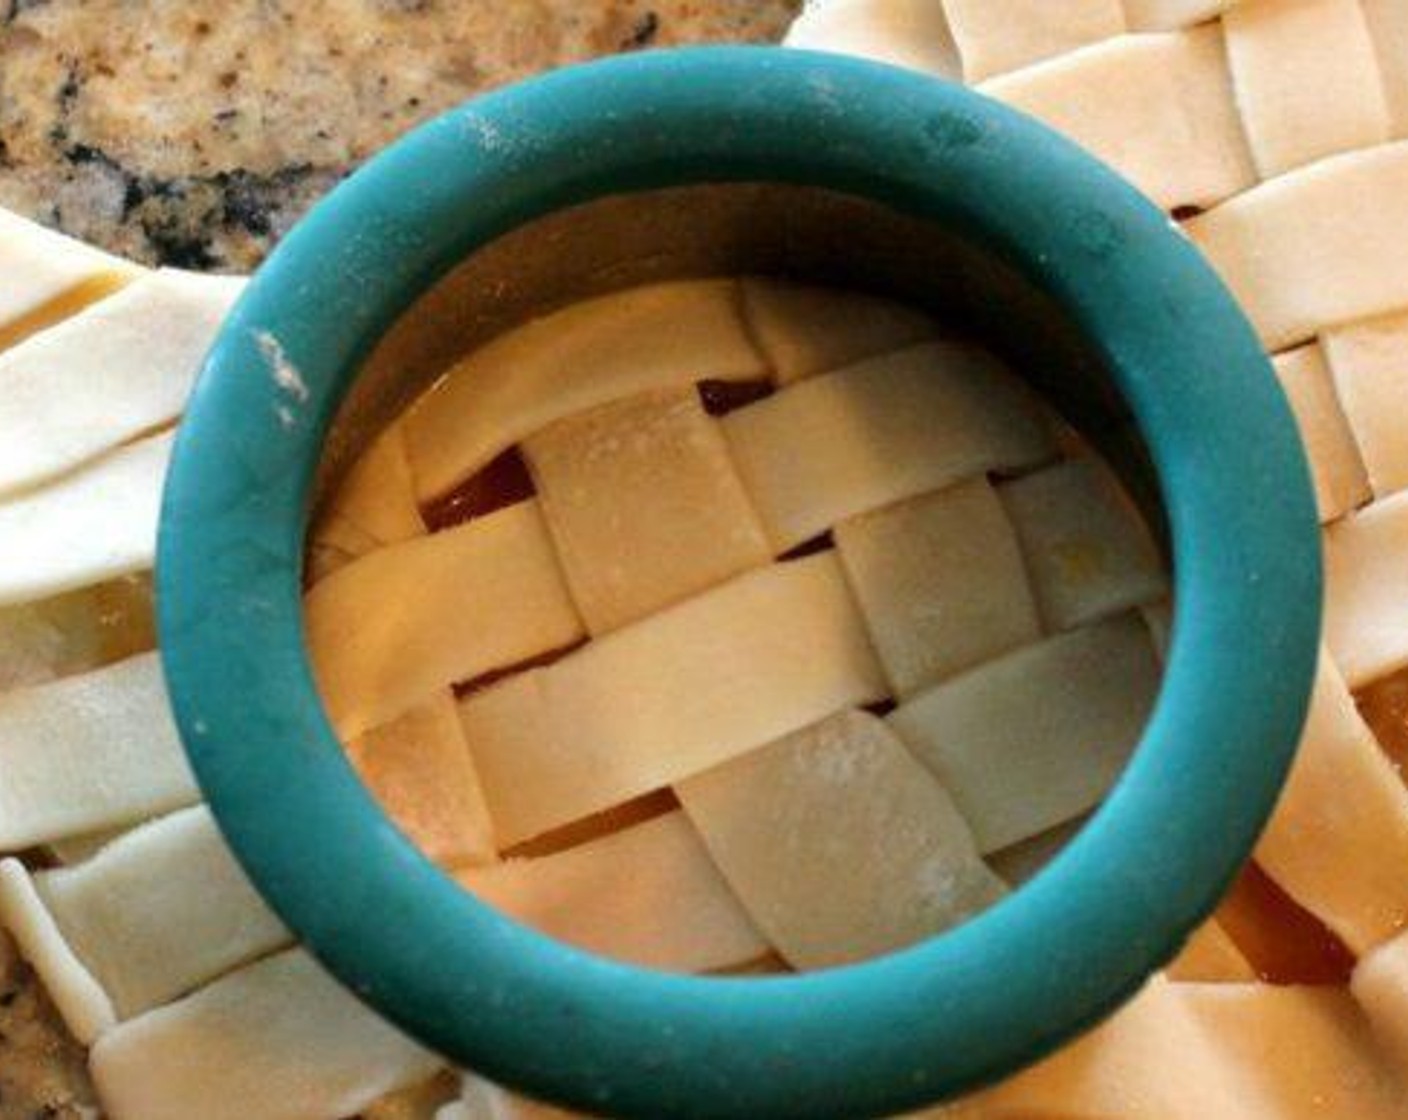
[878, 1037]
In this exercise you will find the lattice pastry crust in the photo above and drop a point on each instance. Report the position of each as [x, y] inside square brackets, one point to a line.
[693, 827]
[1199, 122]
[1276, 130]
[880, 514]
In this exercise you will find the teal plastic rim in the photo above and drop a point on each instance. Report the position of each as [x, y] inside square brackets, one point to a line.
[874, 1038]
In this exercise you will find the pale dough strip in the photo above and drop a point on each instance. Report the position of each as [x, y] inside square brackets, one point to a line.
[1369, 361]
[1380, 985]
[376, 503]
[87, 753]
[113, 371]
[998, 37]
[941, 583]
[1187, 1051]
[839, 843]
[1366, 591]
[1088, 550]
[1338, 841]
[706, 680]
[280, 1040]
[1315, 248]
[478, 597]
[1307, 80]
[805, 330]
[86, 527]
[1336, 467]
[78, 997]
[1173, 130]
[886, 429]
[643, 505]
[1388, 25]
[648, 894]
[420, 770]
[592, 352]
[483, 1100]
[160, 912]
[1035, 738]
[45, 275]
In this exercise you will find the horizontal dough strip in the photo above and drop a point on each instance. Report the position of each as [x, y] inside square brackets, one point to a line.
[563, 363]
[279, 1039]
[45, 276]
[1037, 737]
[111, 372]
[86, 527]
[885, 429]
[839, 843]
[648, 894]
[154, 915]
[87, 753]
[800, 330]
[1316, 248]
[389, 630]
[765, 654]
[979, 39]
[995, 38]
[1174, 130]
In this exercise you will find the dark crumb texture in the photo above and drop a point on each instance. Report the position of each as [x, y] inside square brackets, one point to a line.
[194, 135]
[42, 1073]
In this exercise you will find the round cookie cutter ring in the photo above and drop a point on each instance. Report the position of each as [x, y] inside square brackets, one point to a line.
[877, 1037]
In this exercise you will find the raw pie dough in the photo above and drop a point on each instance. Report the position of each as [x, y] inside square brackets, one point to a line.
[1285, 121]
[212, 1025]
[741, 811]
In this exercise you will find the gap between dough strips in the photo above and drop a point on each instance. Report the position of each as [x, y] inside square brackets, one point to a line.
[1272, 126]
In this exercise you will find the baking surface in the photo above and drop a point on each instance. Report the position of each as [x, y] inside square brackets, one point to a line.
[194, 134]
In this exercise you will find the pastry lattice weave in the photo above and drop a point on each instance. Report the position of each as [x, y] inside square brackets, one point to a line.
[1271, 129]
[1274, 130]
